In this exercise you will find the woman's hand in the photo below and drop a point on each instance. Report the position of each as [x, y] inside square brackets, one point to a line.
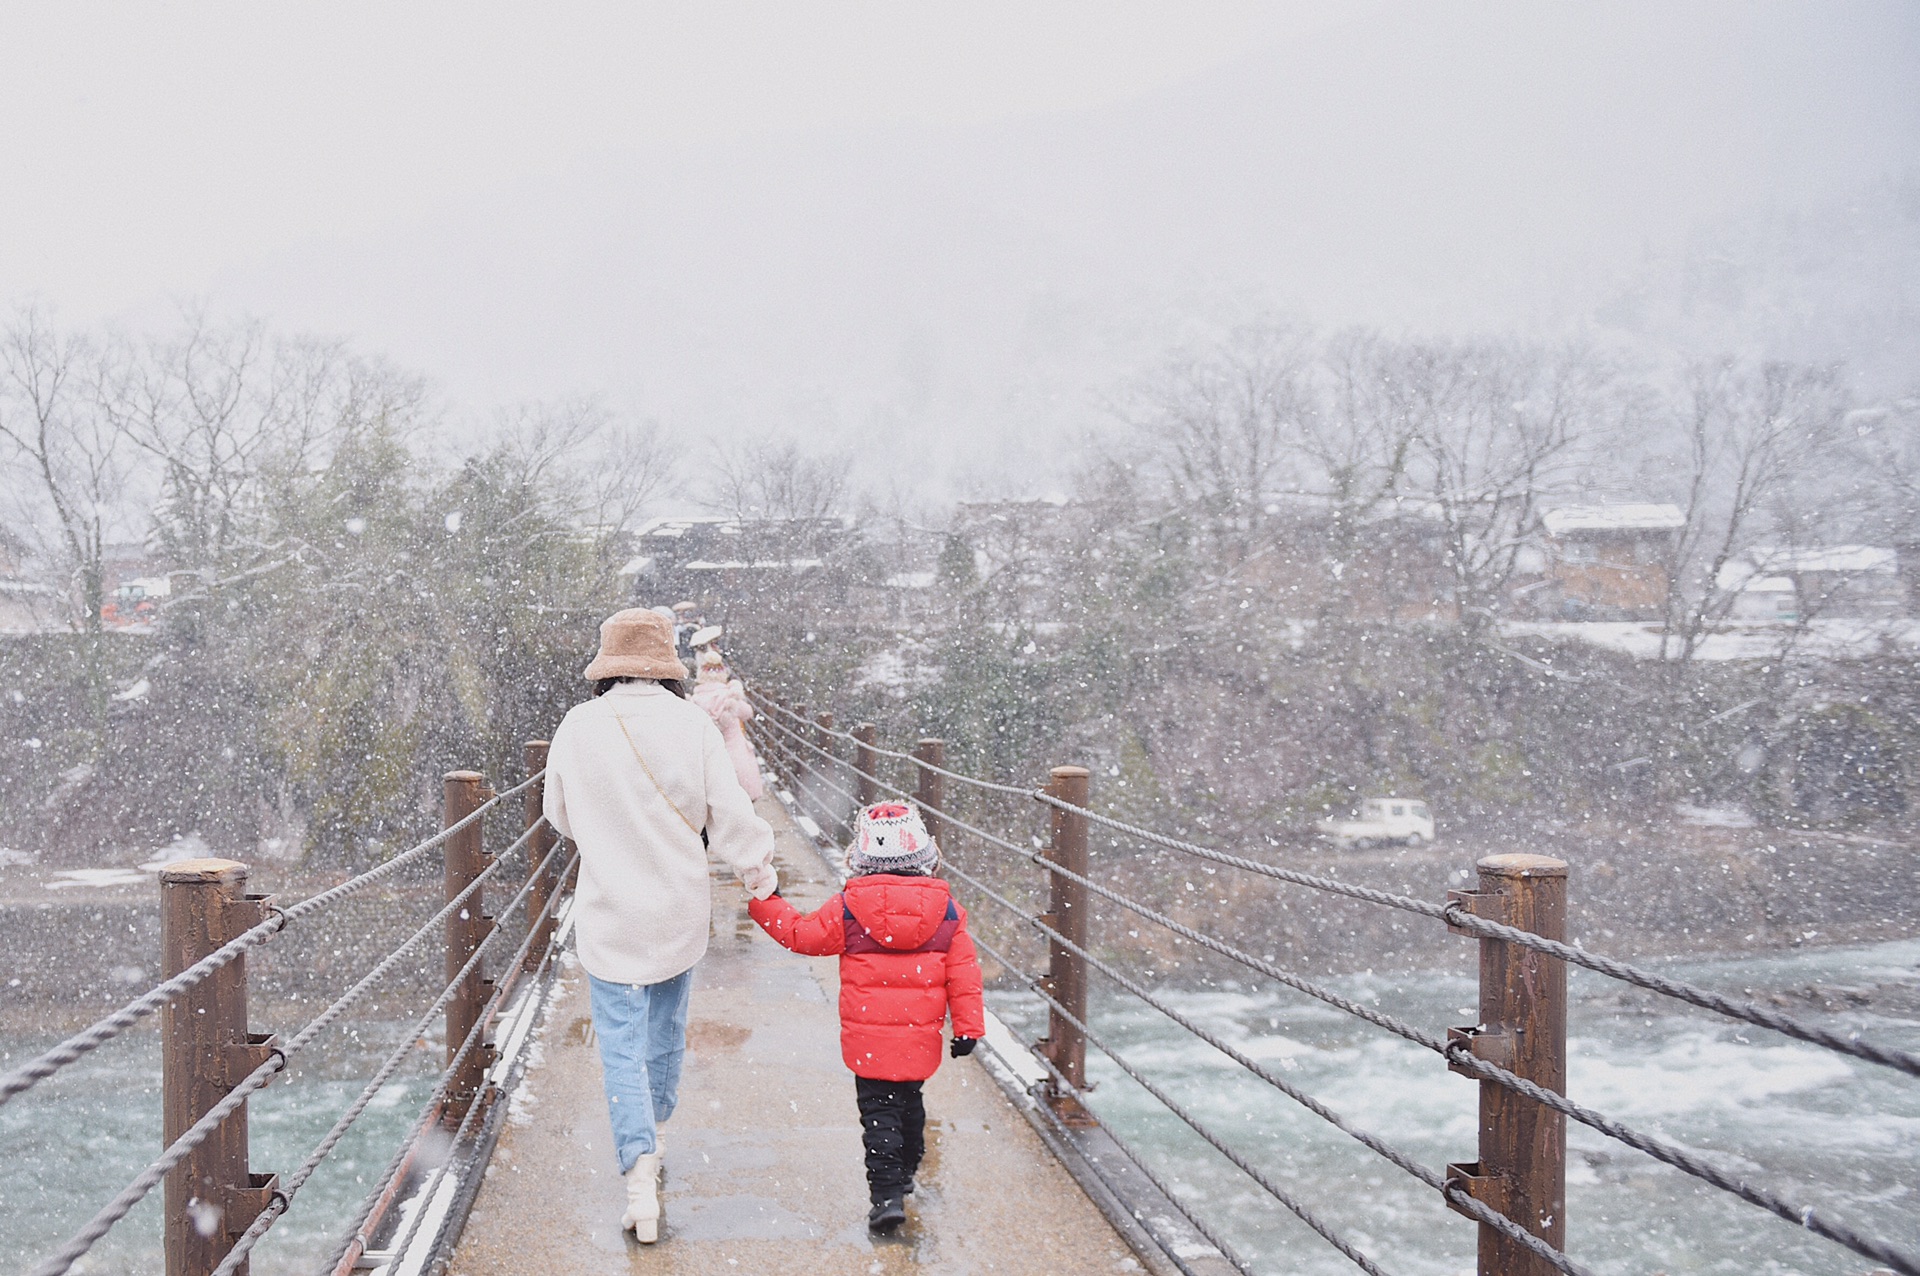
[761, 880]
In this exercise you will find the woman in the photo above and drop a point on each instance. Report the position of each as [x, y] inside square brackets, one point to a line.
[636, 776]
[725, 701]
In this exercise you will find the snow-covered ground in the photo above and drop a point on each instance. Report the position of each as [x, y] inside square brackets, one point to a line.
[1830, 639]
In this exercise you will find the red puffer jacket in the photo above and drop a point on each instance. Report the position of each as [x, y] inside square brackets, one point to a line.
[905, 961]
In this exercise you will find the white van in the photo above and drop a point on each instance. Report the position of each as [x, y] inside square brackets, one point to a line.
[1381, 819]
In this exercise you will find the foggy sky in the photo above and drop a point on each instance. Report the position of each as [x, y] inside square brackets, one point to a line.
[944, 235]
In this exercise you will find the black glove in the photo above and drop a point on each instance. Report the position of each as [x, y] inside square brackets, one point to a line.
[961, 1047]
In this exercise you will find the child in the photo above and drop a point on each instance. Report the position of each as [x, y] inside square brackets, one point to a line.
[905, 962]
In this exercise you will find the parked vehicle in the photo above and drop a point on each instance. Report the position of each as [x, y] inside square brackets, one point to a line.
[1381, 819]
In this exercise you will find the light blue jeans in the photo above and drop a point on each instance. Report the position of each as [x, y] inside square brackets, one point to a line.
[642, 1030]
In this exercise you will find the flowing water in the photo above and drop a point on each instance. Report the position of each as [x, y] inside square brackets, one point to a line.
[1832, 1131]
[69, 1146]
[1835, 1132]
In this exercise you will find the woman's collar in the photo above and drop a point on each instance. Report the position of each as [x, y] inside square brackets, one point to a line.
[645, 687]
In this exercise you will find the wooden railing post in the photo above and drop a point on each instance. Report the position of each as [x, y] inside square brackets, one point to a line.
[1522, 1170]
[823, 797]
[1066, 1044]
[466, 928]
[799, 760]
[865, 763]
[540, 893]
[928, 789]
[211, 1196]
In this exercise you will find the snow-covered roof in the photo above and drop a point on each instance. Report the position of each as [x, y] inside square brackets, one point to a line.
[677, 525]
[13, 585]
[759, 564]
[911, 580]
[1833, 558]
[673, 526]
[1612, 518]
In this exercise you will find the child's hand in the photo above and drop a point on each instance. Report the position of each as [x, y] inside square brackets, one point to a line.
[961, 1047]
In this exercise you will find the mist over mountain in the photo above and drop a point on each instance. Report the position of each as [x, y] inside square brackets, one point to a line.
[957, 303]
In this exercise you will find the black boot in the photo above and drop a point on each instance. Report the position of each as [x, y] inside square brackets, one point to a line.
[885, 1217]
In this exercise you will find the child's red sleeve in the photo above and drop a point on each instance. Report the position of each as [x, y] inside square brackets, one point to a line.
[964, 1001]
[821, 933]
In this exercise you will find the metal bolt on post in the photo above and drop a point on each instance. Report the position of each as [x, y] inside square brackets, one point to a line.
[1522, 1170]
[538, 846]
[467, 927]
[211, 1196]
[865, 763]
[1067, 913]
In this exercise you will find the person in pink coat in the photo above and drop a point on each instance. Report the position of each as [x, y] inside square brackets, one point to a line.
[725, 701]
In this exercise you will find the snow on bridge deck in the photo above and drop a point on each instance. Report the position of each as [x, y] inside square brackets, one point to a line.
[764, 1169]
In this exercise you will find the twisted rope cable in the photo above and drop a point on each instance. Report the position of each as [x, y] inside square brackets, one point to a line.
[1172, 1105]
[1165, 1189]
[989, 785]
[82, 1043]
[1266, 968]
[1311, 1104]
[290, 1186]
[1239, 1263]
[1653, 1146]
[473, 1038]
[117, 1209]
[1455, 915]
[1478, 1210]
[1681, 1159]
[459, 1135]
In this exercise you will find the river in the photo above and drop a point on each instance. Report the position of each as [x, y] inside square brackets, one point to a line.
[1836, 1132]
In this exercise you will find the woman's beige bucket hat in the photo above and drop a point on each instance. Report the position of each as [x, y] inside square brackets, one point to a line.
[636, 643]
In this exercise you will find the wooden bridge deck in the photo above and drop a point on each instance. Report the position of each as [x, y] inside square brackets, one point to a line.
[763, 1156]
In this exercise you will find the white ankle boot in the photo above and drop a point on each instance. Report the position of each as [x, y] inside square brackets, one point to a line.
[643, 1199]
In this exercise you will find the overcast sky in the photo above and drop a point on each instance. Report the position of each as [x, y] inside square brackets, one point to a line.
[946, 234]
[152, 147]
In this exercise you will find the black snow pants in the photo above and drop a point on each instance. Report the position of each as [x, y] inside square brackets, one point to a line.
[893, 1125]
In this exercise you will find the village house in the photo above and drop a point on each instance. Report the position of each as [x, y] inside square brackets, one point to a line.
[1601, 562]
[703, 556]
[1771, 585]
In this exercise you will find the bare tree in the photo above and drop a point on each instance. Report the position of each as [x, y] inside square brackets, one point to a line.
[76, 458]
[1493, 428]
[227, 413]
[1224, 429]
[1751, 434]
[778, 481]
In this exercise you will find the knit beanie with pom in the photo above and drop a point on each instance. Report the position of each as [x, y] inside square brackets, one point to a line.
[891, 838]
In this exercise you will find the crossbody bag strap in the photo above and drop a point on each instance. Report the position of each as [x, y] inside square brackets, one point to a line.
[649, 770]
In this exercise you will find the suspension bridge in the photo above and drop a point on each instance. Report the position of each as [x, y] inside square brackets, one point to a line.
[506, 1166]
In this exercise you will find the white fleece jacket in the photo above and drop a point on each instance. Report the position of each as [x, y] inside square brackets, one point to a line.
[644, 896]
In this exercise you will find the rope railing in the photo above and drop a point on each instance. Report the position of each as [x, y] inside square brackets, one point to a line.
[290, 1187]
[1140, 1162]
[277, 1061]
[92, 1038]
[989, 786]
[1458, 1053]
[1266, 968]
[1453, 914]
[1476, 1209]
